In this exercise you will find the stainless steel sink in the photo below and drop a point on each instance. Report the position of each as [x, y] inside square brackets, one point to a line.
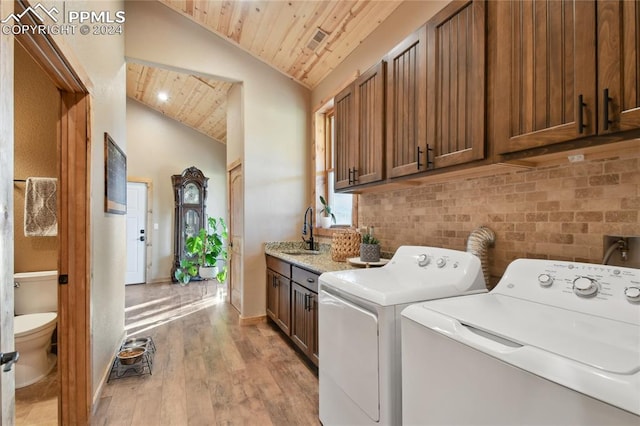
[298, 252]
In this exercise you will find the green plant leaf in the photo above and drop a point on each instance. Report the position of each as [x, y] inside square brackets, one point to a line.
[369, 239]
[182, 277]
[222, 275]
[207, 246]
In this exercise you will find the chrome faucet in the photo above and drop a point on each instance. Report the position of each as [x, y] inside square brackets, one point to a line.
[309, 224]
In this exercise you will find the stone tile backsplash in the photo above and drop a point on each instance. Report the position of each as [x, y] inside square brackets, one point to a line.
[553, 212]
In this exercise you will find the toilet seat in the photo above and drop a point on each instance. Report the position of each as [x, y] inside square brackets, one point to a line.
[32, 323]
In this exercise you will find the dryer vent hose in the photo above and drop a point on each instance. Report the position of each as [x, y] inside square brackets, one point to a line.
[478, 244]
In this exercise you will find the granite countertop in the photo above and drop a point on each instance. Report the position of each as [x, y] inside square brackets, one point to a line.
[319, 263]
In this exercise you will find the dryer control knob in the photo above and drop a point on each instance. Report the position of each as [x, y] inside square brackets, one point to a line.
[423, 260]
[545, 280]
[585, 286]
[441, 262]
[632, 293]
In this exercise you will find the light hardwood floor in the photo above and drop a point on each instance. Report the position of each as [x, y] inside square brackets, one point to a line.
[37, 404]
[208, 370]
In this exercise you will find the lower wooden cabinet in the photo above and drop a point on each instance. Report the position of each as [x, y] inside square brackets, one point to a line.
[279, 293]
[304, 324]
[292, 304]
[278, 300]
[304, 311]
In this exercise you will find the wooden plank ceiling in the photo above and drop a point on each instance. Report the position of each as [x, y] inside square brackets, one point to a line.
[198, 102]
[279, 32]
[304, 39]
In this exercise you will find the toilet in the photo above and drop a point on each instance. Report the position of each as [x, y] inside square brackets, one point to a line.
[35, 306]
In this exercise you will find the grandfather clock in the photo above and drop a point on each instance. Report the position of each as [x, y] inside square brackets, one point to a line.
[190, 192]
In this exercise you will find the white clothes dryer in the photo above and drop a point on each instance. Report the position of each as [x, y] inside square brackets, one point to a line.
[554, 343]
[359, 328]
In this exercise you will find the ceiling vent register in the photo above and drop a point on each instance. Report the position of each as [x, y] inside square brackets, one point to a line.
[317, 39]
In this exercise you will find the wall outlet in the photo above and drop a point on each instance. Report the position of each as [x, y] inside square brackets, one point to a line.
[625, 254]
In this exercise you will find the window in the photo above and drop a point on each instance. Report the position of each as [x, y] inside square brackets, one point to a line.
[342, 205]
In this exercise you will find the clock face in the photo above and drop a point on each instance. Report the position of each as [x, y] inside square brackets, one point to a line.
[191, 194]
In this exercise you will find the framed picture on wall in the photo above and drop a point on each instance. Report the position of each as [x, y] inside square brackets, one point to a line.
[115, 177]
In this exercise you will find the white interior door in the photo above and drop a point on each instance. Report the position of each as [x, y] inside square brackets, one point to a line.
[236, 228]
[136, 232]
[7, 380]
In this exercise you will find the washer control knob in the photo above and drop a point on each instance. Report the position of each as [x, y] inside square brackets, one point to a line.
[585, 286]
[441, 262]
[545, 280]
[423, 260]
[632, 293]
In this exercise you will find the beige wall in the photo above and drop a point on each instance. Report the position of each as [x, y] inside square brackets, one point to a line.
[558, 212]
[276, 129]
[158, 148]
[235, 124]
[102, 58]
[37, 106]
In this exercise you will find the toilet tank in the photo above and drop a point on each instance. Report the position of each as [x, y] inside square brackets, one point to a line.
[35, 292]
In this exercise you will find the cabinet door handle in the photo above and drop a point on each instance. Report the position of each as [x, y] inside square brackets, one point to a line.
[605, 109]
[581, 105]
[418, 154]
[350, 180]
[429, 151]
[306, 302]
[355, 179]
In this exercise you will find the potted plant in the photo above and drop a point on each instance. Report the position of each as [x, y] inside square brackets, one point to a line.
[207, 249]
[369, 248]
[328, 217]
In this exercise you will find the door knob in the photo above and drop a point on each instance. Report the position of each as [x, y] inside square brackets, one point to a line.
[141, 237]
[9, 359]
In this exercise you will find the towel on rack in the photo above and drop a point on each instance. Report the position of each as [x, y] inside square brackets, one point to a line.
[40, 207]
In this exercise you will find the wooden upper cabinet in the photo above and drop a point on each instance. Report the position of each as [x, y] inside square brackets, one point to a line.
[456, 84]
[618, 65]
[406, 106]
[369, 87]
[345, 126]
[359, 130]
[545, 73]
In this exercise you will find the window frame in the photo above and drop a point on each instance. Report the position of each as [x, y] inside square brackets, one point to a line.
[323, 166]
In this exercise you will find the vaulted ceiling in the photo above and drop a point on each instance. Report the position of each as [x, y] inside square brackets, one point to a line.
[198, 102]
[304, 39]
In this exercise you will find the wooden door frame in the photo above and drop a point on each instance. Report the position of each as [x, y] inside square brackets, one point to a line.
[74, 149]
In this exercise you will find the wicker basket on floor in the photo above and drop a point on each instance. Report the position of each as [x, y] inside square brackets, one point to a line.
[345, 244]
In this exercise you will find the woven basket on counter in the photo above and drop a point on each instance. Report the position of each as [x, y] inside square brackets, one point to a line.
[345, 244]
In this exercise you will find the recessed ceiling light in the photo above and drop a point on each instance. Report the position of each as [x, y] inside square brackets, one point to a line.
[163, 96]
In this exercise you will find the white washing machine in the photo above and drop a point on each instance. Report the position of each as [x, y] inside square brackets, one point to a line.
[359, 328]
[553, 343]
